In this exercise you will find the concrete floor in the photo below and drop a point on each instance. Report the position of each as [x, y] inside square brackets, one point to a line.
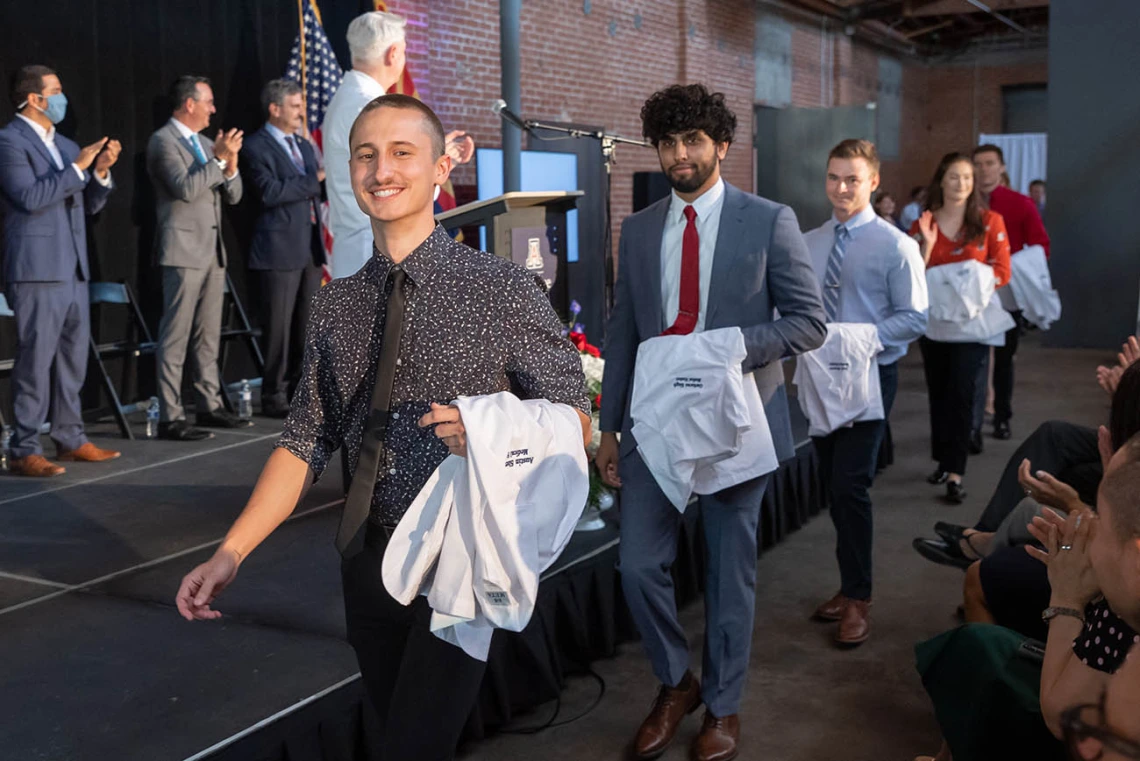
[807, 700]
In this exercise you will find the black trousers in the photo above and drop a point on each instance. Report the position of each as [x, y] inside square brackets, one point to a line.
[1003, 371]
[848, 459]
[423, 689]
[284, 296]
[952, 371]
[1062, 449]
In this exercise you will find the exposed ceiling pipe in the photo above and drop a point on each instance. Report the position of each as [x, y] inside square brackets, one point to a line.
[1002, 18]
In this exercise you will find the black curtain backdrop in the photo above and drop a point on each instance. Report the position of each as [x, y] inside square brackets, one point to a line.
[116, 60]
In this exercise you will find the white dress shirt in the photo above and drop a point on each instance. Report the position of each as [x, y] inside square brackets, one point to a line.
[882, 281]
[48, 138]
[708, 207]
[351, 227]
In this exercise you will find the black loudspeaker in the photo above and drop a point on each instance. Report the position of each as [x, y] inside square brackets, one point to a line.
[649, 187]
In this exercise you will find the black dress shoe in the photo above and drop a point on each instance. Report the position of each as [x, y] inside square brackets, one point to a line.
[939, 551]
[219, 418]
[275, 410]
[937, 477]
[950, 533]
[955, 492]
[976, 445]
[1001, 430]
[178, 430]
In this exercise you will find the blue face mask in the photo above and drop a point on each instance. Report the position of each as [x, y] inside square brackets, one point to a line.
[56, 108]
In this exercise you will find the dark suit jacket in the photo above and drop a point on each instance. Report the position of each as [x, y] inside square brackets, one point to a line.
[45, 230]
[760, 264]
[283, 236]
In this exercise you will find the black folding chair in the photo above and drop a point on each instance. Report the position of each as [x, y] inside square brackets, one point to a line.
[138, 342]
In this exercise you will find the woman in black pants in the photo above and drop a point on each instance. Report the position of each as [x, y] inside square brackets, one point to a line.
[956, 227]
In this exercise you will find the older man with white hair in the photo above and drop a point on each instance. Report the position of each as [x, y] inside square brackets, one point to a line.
[378, 48]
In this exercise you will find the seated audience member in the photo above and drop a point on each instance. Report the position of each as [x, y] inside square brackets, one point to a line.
[1093, 562]
[1064, 450]
[1108, 729]
[1006, 586]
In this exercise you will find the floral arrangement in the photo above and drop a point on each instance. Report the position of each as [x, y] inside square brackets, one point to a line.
[600, 498]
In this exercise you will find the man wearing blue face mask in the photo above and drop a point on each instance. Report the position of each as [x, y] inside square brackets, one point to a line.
[48, 185]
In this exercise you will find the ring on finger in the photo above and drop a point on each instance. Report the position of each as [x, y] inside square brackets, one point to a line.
[1066, 546]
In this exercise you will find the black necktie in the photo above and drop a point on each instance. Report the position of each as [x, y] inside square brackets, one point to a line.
[350, 537]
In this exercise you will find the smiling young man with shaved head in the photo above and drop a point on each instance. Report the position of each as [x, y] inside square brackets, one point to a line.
[425, 321]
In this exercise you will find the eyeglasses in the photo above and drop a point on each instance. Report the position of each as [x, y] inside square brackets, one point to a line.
[1086, 722]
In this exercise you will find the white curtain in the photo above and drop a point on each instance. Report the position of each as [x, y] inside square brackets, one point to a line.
[1025, 156]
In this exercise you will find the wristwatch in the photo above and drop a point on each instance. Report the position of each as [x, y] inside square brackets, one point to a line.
[221, 163]
[1053, 611]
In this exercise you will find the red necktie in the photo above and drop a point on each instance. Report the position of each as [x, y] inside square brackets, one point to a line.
[690, 296]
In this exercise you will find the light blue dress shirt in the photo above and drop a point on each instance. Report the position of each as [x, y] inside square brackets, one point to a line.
[883, 281]
[280, 136]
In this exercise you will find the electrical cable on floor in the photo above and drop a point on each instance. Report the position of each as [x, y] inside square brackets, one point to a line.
[551, 723]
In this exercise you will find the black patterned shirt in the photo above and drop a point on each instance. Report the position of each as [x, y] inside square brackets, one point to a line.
[474, 324]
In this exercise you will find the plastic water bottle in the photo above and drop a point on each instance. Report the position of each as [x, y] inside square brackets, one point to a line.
[5, 442]
[245, 401]
[152, 418]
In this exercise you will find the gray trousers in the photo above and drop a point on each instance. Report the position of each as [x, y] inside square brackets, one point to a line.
[191, 319]
[650, 529]
[53, 323]
[1012, 530]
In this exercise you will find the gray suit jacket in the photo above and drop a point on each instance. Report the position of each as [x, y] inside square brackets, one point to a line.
[760, 263]
[188, 200]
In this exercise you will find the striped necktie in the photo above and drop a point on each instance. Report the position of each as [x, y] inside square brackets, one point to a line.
[832, 279]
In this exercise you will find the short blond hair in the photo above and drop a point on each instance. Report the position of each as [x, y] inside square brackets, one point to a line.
[857, 149]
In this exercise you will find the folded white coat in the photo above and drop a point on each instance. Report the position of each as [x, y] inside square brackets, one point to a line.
[698, 419]
[483, 528]
[838, 383]
[1032, 287]
[963, 304]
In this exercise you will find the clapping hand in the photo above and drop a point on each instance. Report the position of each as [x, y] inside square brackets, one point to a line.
[1066, 555]
[928, 227]
[227, 143]
[1109, 377]
[459, 146]
[107, 158]
[88, 153]
[1047, 490]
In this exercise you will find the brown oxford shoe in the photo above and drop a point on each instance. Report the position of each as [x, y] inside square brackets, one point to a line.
[670, 707]
[832, 610]
[718, 739]
[88, 453]
[855, 626]
[36, 466]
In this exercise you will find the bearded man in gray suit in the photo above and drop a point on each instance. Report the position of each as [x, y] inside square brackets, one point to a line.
[192, 177]
[708, 256]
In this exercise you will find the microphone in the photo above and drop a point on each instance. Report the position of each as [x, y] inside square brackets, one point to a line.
[500, 107]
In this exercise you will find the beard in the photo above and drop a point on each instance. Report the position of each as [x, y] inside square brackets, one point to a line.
[700, 175]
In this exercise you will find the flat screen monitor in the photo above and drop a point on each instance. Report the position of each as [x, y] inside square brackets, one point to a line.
[540, 170]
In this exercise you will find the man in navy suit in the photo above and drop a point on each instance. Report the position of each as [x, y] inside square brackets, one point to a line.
[286, 254]
[48, 184]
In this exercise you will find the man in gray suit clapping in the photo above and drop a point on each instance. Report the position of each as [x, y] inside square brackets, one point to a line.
[192, 176]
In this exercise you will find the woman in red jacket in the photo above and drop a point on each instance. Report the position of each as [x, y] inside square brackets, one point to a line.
[954, 227]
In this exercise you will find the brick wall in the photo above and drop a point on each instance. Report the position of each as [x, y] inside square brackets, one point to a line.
[598, 67]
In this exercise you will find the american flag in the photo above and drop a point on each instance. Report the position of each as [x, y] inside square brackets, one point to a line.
[313, 65]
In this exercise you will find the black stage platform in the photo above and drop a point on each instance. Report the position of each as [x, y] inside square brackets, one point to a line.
[98, 665]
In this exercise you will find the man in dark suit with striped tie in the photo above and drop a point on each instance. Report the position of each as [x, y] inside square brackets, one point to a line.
[286, 255]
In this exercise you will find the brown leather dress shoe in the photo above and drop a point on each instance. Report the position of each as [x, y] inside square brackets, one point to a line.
[718, 739]
[832, 610]
[36, 466]
[88, 453]
[855, 626]
[671, 705]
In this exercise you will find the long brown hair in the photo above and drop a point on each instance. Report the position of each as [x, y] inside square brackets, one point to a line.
[973, 225]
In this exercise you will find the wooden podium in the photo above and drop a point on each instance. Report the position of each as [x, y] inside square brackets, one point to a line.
[529, 228]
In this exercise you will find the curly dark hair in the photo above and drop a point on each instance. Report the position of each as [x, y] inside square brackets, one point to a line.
[682, 108]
